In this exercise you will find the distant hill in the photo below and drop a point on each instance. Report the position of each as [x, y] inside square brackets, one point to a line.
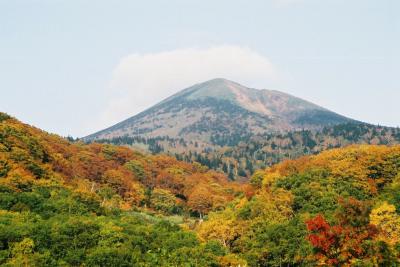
[222, 107]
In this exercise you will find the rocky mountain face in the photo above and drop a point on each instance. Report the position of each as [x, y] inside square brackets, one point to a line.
[221, 107]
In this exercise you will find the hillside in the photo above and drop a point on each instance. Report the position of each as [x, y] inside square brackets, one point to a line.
[222, 107]
[104, 169]
[73, 204]
[64, 204]
[338, 208]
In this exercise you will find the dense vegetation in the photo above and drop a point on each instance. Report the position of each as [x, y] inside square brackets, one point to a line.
[73, 204]
[239, 155]
[339, 208]
[100, 205]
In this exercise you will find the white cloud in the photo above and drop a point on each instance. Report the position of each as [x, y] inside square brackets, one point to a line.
[141, 80]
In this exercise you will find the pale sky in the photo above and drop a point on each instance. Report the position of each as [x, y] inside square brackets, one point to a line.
[73, 67]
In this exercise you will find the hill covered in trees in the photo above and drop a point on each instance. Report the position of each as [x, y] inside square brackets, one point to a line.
[339, 208]
[64, 204]
[74, 204]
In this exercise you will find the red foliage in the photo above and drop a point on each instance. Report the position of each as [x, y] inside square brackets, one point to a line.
[339, 244]
[324, 238]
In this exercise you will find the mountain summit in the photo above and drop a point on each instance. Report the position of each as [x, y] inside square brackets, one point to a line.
[220, 107]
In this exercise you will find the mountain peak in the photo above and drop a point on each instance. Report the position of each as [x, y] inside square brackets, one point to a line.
[262, 101]
[218, 88]
[219, 80]
[220, 106]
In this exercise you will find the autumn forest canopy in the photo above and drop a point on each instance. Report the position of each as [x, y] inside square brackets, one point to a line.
[68, 203]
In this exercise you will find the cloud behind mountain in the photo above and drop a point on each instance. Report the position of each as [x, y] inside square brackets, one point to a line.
[140, 80]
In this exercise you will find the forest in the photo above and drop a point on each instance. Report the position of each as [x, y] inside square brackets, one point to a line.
[240, 155]
[66, 203]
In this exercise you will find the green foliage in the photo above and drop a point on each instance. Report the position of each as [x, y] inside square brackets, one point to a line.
[317, 192]
[4, 168]
[276, 244]
[4, 116]
[391, 192]
[257, 179]
[163, 200]
[67, 234]
[136, 167]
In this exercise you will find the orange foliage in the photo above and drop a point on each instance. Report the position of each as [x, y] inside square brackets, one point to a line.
[28, 153]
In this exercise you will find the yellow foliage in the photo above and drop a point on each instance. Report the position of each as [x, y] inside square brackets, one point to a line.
[270, 178]
[22, 253]
[271, 206]
[221, 226]
[242, 202]
[387, 221]
[368, 165]
[232, 260]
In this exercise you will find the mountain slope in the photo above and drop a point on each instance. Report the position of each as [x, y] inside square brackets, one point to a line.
[223, 107]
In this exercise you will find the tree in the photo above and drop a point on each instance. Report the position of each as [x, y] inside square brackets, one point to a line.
[345, 242]
[387, 221]
[22, 253]
[136, 167]
[200, 200]
[163, 200]
[220, 226]
[257, 179]
[325, 239]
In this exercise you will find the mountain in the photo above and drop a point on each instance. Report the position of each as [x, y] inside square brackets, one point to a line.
[231, 128]
[220, 107]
